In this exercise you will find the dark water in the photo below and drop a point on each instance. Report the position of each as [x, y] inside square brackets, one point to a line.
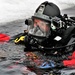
[7, 68]
[13, 62]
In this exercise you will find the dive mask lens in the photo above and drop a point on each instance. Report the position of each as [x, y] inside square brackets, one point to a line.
[44, 26]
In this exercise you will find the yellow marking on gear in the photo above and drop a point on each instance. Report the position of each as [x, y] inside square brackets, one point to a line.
[19, 39]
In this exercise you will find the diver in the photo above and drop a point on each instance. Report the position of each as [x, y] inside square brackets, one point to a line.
[46, 27]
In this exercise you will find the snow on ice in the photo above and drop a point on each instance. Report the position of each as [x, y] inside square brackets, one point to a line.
[11, 10]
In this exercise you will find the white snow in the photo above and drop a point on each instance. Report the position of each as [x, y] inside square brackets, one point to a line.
[20, 9]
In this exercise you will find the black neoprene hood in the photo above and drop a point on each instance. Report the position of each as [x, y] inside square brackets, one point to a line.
[50, 9]
[46, 10]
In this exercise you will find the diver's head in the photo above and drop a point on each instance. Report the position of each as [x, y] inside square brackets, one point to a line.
[44, 19]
